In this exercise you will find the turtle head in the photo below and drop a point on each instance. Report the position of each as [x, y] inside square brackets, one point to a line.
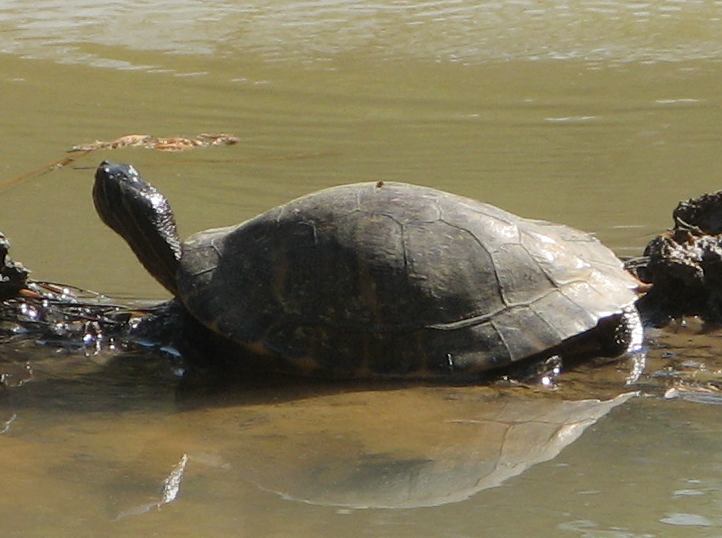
[140, 214]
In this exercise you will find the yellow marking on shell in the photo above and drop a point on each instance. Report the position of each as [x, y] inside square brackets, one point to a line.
[305, 364]
[257, 347]
[214, 326]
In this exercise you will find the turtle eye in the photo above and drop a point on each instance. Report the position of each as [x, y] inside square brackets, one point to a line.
[107, 168]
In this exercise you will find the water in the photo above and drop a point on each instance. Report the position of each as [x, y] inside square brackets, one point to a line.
[601, 115]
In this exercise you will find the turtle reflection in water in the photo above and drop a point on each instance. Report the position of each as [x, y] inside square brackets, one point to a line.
[380, 280]
[335, 451]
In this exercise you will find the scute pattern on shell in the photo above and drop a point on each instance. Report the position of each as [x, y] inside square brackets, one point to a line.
[399, 278]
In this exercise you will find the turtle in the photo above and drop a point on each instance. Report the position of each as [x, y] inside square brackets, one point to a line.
[381, 279]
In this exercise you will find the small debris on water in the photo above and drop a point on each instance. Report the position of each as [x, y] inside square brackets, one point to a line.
[169, 491]
[7, 423]
[173, 143]
[699, 394]
[171, 485]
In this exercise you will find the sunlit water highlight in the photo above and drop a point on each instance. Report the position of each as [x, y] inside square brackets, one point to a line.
[604, 32]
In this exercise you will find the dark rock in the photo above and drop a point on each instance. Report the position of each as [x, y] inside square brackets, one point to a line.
[13, 276]
[684, 264]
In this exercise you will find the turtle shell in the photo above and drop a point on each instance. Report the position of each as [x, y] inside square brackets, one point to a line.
[397, 279]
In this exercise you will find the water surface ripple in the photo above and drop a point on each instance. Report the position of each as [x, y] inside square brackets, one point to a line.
[610, 31]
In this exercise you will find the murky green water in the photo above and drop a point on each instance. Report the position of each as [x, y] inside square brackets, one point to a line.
[601, 115]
